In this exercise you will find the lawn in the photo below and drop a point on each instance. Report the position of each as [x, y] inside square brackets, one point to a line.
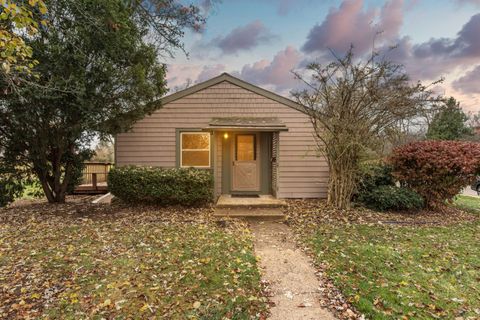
[404, 272]
[468, 203]
[67, 262]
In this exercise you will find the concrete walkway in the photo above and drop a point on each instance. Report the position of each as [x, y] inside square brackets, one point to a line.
[469, 192]
[289, 272]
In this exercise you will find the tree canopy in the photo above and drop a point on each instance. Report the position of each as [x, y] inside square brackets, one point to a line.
[99, 71]
[19, 20]
[450, 123]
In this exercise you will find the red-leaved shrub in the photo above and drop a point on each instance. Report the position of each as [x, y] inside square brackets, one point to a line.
[437, 170]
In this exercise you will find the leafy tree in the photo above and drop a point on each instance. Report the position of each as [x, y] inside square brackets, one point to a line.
[450, 123]
[99, 73]
[474, 125]
[353, 107]
[19, 20]
[104, 152]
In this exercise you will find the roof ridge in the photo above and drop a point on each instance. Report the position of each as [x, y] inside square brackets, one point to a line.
[236, 81]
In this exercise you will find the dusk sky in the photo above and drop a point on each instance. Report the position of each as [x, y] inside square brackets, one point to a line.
[261, 41]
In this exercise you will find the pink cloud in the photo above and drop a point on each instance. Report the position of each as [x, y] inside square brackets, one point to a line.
[351, 24]
[181, 75]
[391, 19]
[469, 83]
[439, 56]
[275, 74]
[209, 72]
[465, 45]
[285, 6]
[244, 38]
[474, 2]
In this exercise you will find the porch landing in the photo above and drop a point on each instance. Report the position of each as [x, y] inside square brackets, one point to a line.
[264, 207]
[262, 201]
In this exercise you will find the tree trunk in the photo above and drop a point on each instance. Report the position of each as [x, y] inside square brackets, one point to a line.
[55, 191]
[342, 178]
[46, 188]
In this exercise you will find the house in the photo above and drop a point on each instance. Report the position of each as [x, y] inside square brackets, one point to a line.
[255, 141]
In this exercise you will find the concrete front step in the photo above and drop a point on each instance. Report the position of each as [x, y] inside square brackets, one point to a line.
[250, 213]
[262, 201]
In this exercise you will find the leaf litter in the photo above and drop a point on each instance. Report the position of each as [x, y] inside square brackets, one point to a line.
[78, 260]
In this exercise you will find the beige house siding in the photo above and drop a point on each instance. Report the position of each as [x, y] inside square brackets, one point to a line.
[152, 141]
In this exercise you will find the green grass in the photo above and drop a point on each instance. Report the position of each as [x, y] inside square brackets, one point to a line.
[137, 266]
[468, 203]
[412, 272]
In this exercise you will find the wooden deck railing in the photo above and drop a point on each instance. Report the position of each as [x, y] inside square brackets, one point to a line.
[94, 177]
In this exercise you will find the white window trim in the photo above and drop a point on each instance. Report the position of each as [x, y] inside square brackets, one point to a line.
[209, 149]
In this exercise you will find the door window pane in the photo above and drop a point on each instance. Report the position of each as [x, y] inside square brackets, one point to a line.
[245, 147]
[195, 149]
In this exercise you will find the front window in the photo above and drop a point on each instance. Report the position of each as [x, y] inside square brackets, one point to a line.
[195, 149]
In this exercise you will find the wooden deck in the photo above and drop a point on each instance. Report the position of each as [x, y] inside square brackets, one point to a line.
[91, 189]
[94, 180]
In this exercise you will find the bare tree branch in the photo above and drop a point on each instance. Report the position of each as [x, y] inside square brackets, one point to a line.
[353, 106]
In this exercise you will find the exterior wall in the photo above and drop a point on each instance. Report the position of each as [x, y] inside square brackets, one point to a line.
[152, 141]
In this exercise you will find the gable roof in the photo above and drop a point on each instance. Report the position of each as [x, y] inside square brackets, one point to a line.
[236, 81]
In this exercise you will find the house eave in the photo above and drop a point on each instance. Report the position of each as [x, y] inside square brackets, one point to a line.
[244, 128]
[236, 81]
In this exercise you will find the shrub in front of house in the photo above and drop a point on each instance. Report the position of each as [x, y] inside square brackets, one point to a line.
[437, 170]
[385, 198]
[161, 186]
[11, 186]
[376, 189]
[374, 174]
[9, 190]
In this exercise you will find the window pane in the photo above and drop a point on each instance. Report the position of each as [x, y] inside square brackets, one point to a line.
[195, 140]
[195, 158]
[245, 147]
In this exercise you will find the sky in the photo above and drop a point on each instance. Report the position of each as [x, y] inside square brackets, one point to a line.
[262, 41]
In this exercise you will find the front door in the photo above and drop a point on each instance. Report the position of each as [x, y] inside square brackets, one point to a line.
[246, 169]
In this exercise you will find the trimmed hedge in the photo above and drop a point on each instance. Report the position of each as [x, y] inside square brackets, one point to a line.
[376, 190]
[385, 198]
[161, 186]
